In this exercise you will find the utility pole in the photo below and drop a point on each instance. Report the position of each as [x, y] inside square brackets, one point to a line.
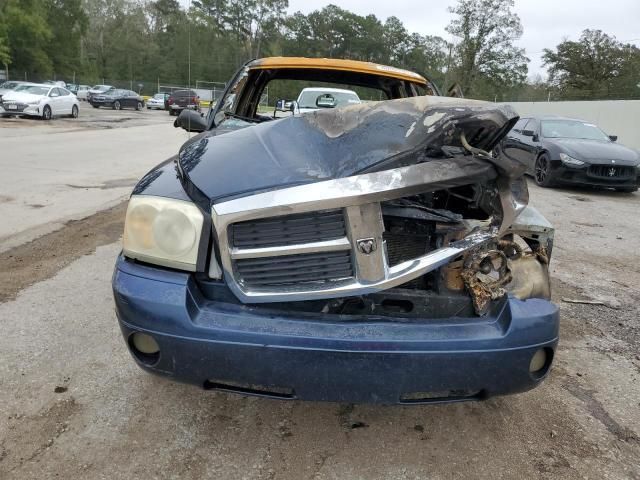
[446, 75]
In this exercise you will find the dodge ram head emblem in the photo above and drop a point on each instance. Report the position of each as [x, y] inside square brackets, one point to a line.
[612, 172]
[366, 245]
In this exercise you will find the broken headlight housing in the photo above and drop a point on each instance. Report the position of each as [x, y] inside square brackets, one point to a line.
[163, 231]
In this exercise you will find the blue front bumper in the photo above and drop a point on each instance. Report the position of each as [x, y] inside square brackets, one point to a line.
[253, 350]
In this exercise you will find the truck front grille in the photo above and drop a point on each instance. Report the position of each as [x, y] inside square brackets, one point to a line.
[320, 267]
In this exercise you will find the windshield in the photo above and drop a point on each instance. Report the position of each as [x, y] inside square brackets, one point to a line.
[9, 85]
[36, 89]
[159, 96]
[102, 88]
[308, 99]
[572, 129]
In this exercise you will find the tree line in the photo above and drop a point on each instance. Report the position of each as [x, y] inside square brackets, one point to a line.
[141, 41]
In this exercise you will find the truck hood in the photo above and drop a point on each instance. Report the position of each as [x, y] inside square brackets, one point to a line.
[336, 143]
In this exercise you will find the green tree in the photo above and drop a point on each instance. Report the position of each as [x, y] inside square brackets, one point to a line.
[68, 23]
[595, 66]
[28, 35]
[5, 52]
[486, 52]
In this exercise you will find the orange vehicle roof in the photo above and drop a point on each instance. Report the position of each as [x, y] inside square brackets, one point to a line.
[337, 64]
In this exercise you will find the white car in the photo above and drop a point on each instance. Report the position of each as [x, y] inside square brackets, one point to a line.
[44, 101]
[82, 92]
[157, 101]
[311, 99]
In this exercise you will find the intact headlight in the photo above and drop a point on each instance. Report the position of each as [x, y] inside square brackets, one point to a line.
[567, 160]
[163, 231]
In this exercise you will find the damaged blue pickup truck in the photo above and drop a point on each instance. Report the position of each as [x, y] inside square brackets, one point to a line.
[378, 252]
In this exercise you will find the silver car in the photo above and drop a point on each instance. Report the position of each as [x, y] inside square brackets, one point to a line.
[156, 102]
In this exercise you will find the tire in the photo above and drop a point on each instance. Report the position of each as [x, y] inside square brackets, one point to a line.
[95, 106]
[542, 171]
[74, 111]
[46, 113]
[172, 113]
[139, 106]
[116, 105]
[148, 107]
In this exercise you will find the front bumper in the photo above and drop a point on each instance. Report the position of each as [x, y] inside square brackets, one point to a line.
[581, 176]
[101, 103]
[253, 350]
[22, 109]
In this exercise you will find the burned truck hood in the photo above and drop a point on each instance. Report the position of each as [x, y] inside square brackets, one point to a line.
[331, 144]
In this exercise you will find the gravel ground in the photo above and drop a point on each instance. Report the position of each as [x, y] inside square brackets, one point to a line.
[74, 405]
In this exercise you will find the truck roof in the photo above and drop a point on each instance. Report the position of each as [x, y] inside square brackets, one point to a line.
[337, 64]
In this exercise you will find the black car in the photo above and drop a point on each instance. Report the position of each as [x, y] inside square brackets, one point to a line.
[118, 99]
[559, 150]
[183, 99]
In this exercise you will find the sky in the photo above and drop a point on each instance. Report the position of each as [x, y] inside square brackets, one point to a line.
[545, 22]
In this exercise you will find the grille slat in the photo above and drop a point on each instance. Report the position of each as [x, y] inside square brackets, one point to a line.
[288, 230]
[270, 265]
[257, 240]
[292, 269]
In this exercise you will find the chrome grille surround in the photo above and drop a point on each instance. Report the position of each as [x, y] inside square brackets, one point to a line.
[360, 197]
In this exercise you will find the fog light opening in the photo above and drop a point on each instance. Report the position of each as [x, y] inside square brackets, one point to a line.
[540, 362]
[145, 348]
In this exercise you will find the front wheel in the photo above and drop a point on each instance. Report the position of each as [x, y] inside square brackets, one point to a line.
[46, 112]
[74, 111]
[95, 106]
[542, 172]
[139, 106]
[116, 105]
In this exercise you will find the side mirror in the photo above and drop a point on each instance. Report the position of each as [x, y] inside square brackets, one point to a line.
[613, 138]
[326, 101]
[191, 121]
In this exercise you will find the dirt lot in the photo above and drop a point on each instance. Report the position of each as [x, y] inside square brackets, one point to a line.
[74, 405]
